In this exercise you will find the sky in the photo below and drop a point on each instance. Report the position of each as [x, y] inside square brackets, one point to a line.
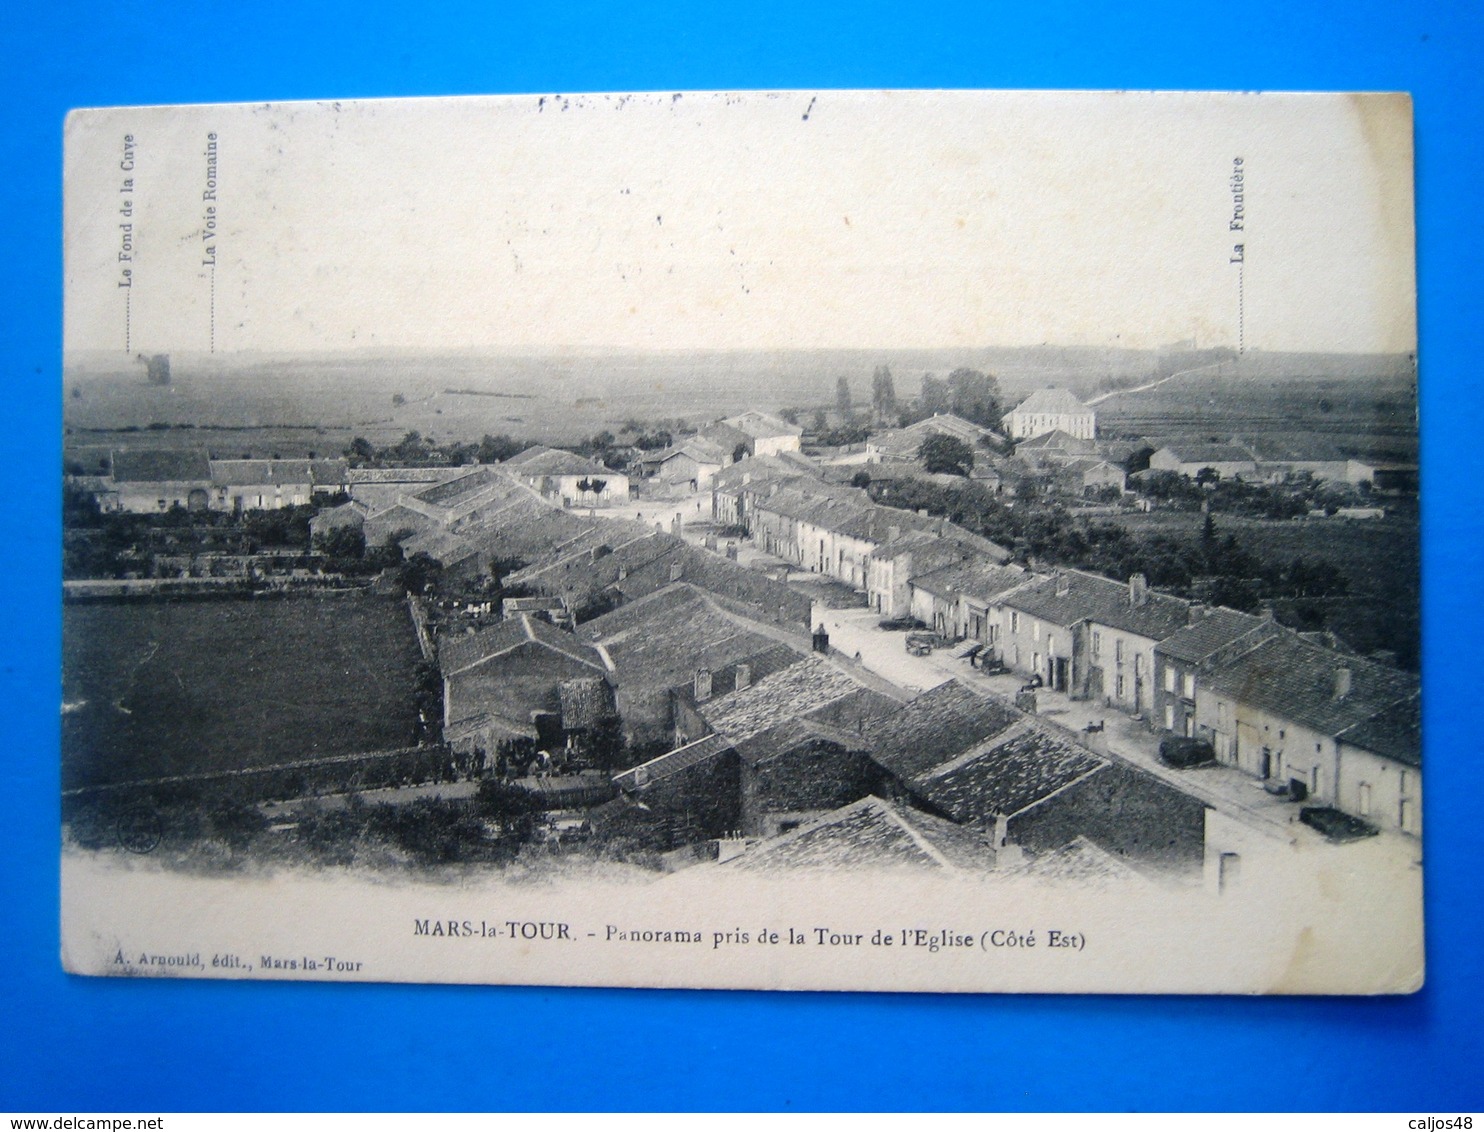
[788, 220]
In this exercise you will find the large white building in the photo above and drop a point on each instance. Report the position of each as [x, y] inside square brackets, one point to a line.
[1047, 410]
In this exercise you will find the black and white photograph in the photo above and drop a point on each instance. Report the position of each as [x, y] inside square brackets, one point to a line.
[901, 541]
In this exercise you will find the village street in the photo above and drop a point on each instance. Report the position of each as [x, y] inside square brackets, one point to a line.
[855, 637]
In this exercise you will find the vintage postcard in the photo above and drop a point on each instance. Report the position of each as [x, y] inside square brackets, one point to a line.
[952, 541]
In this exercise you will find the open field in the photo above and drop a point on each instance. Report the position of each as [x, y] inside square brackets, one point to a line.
[162, 688]
[319, 403]
[1372, 417]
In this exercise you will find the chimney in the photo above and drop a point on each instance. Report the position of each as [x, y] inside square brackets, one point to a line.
[744, 676]
[703, 685]
[675, 571]
[592, 554]
[623, 572]
[746, 478]
[1063, 584]
[1342, 682]
[1138, 590]
[1195, 612]
[893, 533]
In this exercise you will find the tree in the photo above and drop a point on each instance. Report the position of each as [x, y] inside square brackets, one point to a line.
[1138, 460]
[341, 542]
[420, 572]
[941, 453]
[883, 391]
[361, 451]
[975, 396]
[741, 452]
[861, 479]
[842, 397]
[1207, 477]
[934, 395]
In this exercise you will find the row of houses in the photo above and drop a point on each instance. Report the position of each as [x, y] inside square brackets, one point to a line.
[1292, 711]
[1263, 459]
[149, 481]
[1344, 730]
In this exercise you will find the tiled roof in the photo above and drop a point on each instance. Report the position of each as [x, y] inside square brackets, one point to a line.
[1080, 862]
[672, 762]
[526, 455]
[568, 791]
[788, 736]
[1006, 774]
[525, 528]
[401, 475]
[447, 549]
[871, 834]
[1394, 732]
[914, 542]
[983, 581]
[555, 462]
[1300, 449]
[483, 723]
[757, 472]
[158, 465]
[1049, 401]
[726, 436]
[660, 641]
[448, 493]
[1088, 464]
[938, 726]
[1070, 596]
[698, 448]
[328, 473]
[760, 595]
[1211, 630]
[760, 665]
[760, 424]
[1292, 679]
[786, 695]
[585, 702]
[457, 654]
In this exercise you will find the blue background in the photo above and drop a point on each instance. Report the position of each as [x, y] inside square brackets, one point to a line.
[81, 1044]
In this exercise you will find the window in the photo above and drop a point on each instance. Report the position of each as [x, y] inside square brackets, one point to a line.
[1403, 783]
[1169, 717]
[1035, 630]
[1365, 799]
[1014, 622]
[1097, 644]
[1169, 678]
[1190, 686]
[1118, 650]
[1119, 685]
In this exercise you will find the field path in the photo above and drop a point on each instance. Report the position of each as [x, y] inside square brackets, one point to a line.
[1101, 397]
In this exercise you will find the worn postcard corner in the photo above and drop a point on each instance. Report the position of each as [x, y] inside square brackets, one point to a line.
[908, 541]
